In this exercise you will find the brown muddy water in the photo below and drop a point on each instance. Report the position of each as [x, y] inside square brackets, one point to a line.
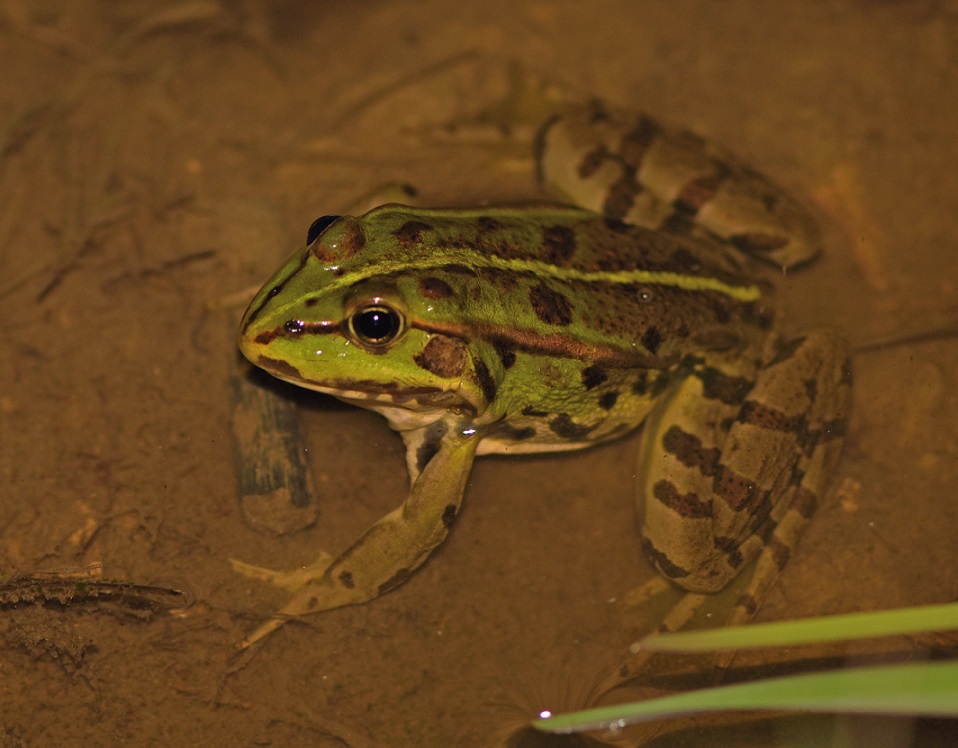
[158, 161]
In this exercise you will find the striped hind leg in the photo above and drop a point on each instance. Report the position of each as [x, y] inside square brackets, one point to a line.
[722, 499]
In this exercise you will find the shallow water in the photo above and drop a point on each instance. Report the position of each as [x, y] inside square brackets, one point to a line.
[155, 163]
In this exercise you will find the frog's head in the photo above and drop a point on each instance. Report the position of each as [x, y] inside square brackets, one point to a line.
[349, 317]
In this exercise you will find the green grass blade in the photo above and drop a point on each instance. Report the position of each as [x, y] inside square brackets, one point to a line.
[923, 689]
[808, 631]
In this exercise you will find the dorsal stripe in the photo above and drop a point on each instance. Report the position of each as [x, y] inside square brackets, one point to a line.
[540, 269]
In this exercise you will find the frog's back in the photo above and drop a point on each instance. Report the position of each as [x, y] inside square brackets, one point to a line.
[564, 282]
[576, 323]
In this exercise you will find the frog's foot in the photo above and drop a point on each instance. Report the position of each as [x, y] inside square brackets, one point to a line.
[637, 659]
[296, 581]
[646, 592]
[504, 129]
[389, 551]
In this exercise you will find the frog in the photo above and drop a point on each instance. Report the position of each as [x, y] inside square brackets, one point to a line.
[633, 300]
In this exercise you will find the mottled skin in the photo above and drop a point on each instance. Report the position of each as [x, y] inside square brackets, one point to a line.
[547, 328]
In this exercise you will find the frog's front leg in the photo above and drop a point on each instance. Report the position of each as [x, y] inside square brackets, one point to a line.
[389, 551]
[733, 471]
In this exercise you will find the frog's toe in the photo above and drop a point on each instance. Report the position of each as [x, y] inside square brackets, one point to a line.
[293, 580]
[311, 595]
[642, 594]
[260, 632]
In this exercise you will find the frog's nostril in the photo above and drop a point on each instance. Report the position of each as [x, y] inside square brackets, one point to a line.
[294, 326]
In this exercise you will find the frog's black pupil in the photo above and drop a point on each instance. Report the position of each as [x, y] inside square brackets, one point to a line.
[318, 226]
[294, 326]
[376, 324]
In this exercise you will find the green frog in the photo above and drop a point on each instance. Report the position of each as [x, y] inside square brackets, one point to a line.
[523, 329]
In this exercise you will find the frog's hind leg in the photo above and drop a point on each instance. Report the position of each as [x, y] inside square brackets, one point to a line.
[633, 168]
[812, 478]
[746, 489]
[772, 558]
[823, 372]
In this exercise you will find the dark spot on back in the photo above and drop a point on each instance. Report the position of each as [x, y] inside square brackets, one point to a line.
[448, 516]
[346, 577]
[411, 232]
[685, 261]
[550, 306]
[559, 244]
[720, 310]
[488, 224]
[593, 376]
[652, 339]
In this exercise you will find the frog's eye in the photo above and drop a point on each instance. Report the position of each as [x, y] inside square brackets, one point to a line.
[376, 324]
[318, 226]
